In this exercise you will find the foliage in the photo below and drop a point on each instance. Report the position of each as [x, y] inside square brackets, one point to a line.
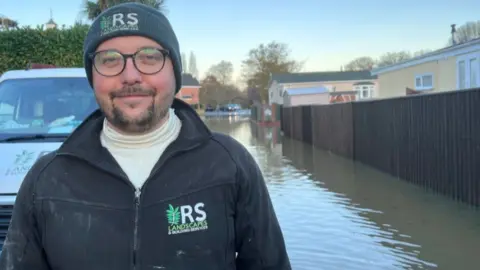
[213, 92]
[61, 47]
[264, 60]
[386, 59]
[421, 52]
[192, 65]
[184, 62]
[223, 71]
[466, 32]
[391, 58]
[93, 8]
[360, 63]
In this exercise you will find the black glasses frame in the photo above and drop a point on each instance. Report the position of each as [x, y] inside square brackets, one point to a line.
[125, 56]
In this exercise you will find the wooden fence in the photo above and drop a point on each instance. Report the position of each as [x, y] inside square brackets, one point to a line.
[432, 140]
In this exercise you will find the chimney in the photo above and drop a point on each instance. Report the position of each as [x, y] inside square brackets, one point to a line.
[454, 42]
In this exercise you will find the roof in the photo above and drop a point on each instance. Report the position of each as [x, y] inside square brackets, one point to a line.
[364, 83]
[306, 91]
[339, 93]
[327, 76]
[43, 73]
[51, 22]
[189, 80]
[458, 49]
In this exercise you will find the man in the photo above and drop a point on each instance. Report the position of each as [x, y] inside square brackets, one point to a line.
[142, 183]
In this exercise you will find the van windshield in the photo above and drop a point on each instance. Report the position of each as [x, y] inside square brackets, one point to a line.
[44, 105]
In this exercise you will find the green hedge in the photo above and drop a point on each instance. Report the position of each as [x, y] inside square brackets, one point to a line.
[61, 47]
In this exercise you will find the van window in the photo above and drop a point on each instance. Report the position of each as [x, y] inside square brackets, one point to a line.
[44, 105]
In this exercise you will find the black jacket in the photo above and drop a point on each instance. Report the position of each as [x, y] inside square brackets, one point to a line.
[204, 201]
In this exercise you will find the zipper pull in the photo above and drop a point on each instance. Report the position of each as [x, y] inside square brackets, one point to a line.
[137, 193]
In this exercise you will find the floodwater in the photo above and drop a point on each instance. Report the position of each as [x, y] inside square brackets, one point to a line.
[337, 214]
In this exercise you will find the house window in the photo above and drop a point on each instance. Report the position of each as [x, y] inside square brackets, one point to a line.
[424, 81]
[474, 72]
[461, 75]
[364, 91]
[468, 71]
[187, 97]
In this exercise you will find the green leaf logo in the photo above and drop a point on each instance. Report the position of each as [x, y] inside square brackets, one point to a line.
[23, 158]
[173, 215]
[103, 23]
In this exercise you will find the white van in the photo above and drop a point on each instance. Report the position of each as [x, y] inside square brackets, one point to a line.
[39, 108]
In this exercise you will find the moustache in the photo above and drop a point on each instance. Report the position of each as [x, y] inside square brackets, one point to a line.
[132, 91]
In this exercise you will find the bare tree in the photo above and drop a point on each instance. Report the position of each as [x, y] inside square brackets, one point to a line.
[184, 63]
[253, 94]
[421, 52]
[264, 60]
[223, 71]
[214, 93]
[391, 58]
[210, 91]
[360, 63]
[468, 31]
[93, 8]
[192, 65]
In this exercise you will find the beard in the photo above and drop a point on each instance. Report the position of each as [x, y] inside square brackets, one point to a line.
[150, 118]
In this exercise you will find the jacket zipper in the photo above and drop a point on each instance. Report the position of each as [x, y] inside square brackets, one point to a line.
[136, 204]
[138, 192]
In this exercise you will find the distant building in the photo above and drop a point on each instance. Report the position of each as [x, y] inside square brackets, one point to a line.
[190, 91]
[51, 23]
[322, 87]
[306, 96]
[7, 23]
[446, 69]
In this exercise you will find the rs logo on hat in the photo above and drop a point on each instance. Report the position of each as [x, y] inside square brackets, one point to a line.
[118, 22]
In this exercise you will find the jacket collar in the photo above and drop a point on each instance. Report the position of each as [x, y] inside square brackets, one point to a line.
[84, 142]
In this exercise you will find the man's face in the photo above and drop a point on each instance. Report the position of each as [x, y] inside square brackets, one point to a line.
[134, 102]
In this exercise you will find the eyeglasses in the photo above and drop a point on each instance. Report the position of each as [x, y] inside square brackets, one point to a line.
[112, 62]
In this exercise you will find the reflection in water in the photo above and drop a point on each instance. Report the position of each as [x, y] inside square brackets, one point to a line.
[337, 214]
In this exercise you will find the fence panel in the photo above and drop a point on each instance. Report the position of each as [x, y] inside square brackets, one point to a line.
[332, 128]
[287, 126]
[430, 140]
[307, 124]
[297, 123]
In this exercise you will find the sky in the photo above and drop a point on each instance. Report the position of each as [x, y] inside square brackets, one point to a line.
[325, 35]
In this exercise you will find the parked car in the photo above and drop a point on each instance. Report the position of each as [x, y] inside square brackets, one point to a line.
[209, 108]
[230, 107]
[39, 108]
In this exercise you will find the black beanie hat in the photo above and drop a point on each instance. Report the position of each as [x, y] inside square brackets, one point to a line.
[133, 19]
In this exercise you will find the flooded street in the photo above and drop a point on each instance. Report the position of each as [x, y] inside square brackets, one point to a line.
[337, 214]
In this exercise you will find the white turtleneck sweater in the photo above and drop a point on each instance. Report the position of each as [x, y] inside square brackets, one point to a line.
[137, 154]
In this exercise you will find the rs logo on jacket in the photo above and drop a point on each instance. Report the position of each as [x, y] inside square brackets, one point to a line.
[185, 218]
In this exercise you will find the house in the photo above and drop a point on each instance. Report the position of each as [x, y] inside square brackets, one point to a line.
[190, 91]
[341, 85]
[306, 96]
[449, 68]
